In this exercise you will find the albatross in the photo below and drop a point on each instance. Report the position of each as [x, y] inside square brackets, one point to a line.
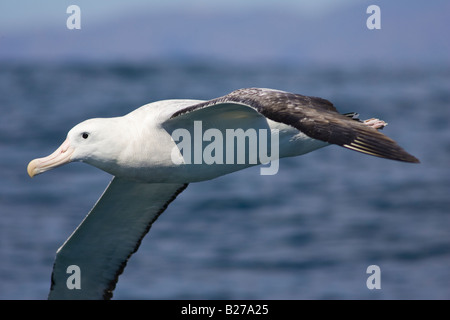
[150, 169]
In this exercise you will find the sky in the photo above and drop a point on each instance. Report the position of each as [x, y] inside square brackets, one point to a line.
[23, 14]
[291, 31]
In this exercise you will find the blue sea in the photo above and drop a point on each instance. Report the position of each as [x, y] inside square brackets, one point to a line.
[308, 232]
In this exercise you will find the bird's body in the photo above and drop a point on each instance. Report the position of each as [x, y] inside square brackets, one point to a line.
[153, 163]
[156, 150]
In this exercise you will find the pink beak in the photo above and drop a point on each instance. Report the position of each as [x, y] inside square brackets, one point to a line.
[61, 156]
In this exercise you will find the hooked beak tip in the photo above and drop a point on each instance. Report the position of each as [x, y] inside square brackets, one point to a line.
[31, 169]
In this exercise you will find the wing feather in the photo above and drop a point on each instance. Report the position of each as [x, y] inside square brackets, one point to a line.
[315, 117]
[108, 236]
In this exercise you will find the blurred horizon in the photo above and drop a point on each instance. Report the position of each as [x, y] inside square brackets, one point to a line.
[282, 32]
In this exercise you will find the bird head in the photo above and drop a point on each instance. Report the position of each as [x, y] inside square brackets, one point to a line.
[86, 142]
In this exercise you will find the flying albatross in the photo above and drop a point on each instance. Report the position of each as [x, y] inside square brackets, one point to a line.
[150, 169]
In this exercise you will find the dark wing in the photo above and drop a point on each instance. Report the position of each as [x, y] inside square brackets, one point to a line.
[315, 117]
[112, 231]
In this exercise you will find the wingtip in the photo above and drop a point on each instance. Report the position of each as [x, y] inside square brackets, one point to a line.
[406, 158]
[412, 159]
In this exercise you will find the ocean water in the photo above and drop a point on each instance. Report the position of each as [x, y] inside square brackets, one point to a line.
[308, 232]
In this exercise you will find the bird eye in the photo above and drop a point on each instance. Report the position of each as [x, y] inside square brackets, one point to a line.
[85, 135]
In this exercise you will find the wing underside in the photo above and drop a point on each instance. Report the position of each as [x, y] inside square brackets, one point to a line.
[112, 231]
